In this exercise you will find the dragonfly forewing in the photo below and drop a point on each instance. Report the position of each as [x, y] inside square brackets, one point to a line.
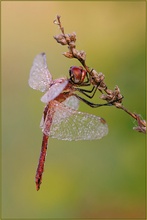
[54, 90]
[40, 77]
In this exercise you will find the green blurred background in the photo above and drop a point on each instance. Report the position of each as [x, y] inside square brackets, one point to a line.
[85, 179]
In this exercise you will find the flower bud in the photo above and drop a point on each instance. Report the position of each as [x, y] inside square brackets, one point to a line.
[67, 37]
[72, 44]
[60, 39]
[103, 96]
[68, 54]
[83, 55]
[73, 36]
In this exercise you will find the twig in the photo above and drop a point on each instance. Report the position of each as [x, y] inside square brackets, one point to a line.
[96, 79]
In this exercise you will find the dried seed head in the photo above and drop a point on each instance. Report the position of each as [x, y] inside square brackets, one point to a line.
[113, 96]
[83, 55]
[109, 92]
[104, 96]
[141, 124]
[117, 90]
[94, 72]
[140, 129]
[60, 39]
[102, 86]
[67, 37]
[118, 105]
[68, 54]
[72, 45]
[118, 94]
[97, 78]
[73, 36]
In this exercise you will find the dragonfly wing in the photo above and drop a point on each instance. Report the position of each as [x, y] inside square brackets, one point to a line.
[54, 90]
[40, 77]
[72, 102]
[69, 124]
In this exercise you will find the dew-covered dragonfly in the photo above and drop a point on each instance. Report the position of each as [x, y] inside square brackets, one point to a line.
[61, 118]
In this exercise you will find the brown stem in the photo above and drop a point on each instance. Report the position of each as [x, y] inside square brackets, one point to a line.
[97, 79]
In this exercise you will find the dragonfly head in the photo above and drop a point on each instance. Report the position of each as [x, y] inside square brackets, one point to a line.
[77, 74]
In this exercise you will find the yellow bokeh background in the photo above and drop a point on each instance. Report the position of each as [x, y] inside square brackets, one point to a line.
[85, 179]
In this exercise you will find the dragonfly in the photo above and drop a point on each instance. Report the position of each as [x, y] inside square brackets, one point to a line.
[61, 118]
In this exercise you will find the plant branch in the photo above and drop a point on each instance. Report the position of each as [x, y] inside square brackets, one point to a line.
[96, 79]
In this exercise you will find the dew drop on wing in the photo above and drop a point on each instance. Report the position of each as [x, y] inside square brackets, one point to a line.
[69, 124]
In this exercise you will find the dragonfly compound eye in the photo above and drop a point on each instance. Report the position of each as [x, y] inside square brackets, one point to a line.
[77, 74]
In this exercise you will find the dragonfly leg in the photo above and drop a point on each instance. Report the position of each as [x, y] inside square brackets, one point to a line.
[85, 91]
[94, 105]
